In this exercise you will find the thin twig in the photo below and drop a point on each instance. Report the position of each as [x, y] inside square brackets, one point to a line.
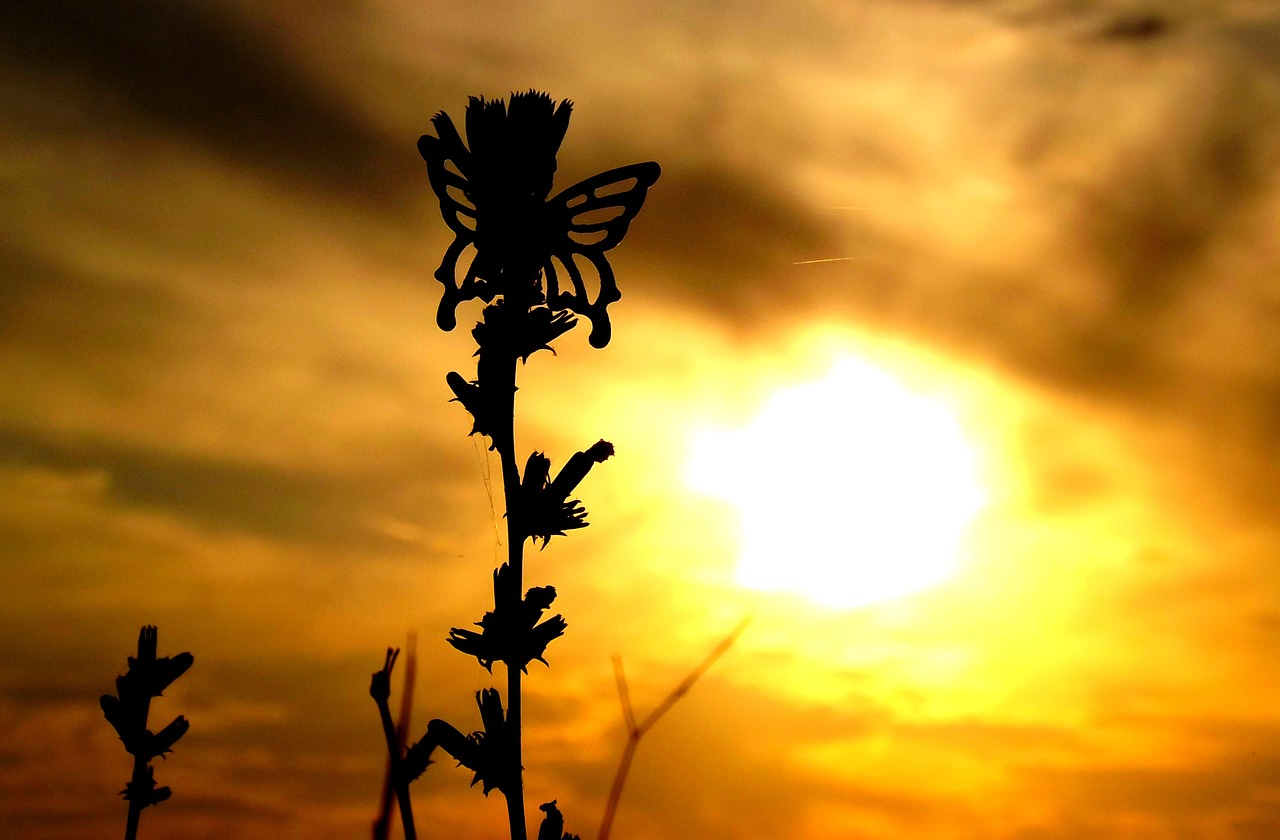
[624, 696]
[382, 825]
[637, 731]
[406, 692]
[395, 749]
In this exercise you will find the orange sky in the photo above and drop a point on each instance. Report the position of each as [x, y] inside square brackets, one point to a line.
[225, 410]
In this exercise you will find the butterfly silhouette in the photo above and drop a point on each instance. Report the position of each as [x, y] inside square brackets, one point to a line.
[509, 238]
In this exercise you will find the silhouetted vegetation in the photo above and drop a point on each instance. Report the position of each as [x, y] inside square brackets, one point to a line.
[127, 710]
[529, 258]
[534, 262]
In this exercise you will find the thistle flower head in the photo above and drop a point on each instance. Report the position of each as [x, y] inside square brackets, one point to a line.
[514, 147]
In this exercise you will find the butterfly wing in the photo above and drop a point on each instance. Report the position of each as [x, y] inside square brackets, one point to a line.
[448, 162]
[594, 216]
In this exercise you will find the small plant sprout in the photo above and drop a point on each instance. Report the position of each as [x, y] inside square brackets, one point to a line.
[127, 711]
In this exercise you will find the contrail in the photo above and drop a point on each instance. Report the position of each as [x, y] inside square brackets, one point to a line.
[826, 260]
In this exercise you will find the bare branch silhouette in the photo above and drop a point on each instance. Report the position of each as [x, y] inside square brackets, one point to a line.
[382, 824]
[636, 731]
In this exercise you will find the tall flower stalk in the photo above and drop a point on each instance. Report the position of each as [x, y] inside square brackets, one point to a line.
[530, 259]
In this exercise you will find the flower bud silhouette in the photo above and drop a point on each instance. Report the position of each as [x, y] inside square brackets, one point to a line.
[553, 823]
[483, 751]
[546, 509]
[511, 634]
[148, 676]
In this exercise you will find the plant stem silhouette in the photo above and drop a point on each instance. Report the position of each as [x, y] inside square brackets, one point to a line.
[505, 443]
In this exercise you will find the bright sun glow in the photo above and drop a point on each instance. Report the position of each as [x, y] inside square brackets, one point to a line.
[851, 489]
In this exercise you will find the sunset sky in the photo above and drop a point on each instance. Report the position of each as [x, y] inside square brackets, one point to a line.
[1045, 230]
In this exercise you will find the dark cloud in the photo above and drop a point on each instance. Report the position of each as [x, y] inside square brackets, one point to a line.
[1258, 37]
[317, 724]
[244, 808]
[229, 495]
[56, 820]
[52, 311]
[721, 237]
[36, 690]
[1167, 196]
[192, 68]
[1107, 20]
[1135, 26]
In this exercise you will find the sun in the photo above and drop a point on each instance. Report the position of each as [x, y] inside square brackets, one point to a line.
[851, 489]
